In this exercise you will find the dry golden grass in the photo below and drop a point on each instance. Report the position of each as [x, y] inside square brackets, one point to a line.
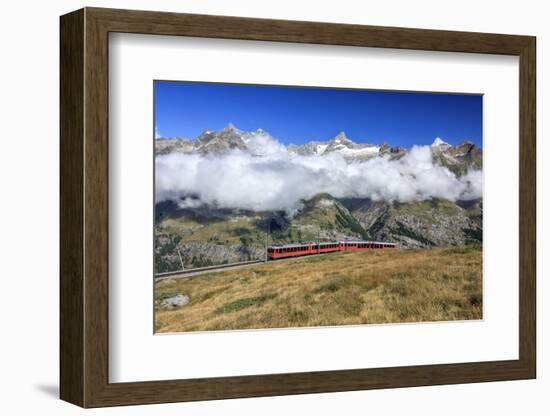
[334, 289]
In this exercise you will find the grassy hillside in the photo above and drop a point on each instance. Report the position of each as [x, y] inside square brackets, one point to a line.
[335, 289]
[208, 236]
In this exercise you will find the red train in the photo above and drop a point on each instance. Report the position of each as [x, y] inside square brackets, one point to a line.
[294, 250]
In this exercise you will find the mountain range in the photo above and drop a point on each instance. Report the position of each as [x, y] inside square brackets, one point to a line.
[201, 236]
[456, 158]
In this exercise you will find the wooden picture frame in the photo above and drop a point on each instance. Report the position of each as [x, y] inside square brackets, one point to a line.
[84, 207]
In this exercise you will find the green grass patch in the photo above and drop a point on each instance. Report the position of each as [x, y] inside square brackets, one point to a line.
[346, 220]
[333, 285]
[243, 303]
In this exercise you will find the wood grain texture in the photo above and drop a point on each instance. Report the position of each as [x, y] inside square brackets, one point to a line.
[162, 23]
[96, 208]
[84, 207]
[527, 207]
[71, 184]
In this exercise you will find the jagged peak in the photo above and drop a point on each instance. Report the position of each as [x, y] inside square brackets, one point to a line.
[467, 142]
[341, 137]
[439, 142]
[230, 128]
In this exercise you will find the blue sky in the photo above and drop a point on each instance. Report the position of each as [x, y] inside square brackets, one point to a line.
[299, 114]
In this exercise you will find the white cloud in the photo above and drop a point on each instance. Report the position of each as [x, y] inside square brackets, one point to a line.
[279, 180]
[261, 143]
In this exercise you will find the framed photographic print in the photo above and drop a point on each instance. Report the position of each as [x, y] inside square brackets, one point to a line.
[255, 207]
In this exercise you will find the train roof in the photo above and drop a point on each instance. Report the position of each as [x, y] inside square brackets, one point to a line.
[291, 245]
[330, 242]
[368, 242]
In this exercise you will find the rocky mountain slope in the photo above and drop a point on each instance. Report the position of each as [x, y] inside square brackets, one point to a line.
[206, 235]
[230, 138]
[433, 222]
[457, 158]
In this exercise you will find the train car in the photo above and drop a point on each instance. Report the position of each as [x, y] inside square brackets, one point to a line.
[365, 245]
[289, 250]
[295, 250]
[327, 247]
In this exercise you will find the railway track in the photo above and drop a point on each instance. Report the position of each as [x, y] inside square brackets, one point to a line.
[203, 270]
[281, 253]
[182, 274]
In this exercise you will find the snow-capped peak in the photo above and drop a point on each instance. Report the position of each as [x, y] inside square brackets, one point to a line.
[341, 138]
[438, 143]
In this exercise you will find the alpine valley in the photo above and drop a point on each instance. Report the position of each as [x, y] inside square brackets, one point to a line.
[201, 234]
